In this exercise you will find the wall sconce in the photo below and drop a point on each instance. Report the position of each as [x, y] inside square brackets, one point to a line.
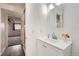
[53, 5]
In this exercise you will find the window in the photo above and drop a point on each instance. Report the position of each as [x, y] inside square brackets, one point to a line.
[16, 26]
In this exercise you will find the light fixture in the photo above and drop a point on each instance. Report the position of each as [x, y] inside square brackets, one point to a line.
[51, 6]
[58, 3]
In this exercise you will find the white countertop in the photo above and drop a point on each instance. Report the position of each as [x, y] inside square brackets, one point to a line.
[57, 43]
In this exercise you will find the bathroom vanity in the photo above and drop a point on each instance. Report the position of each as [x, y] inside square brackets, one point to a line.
[51, 47]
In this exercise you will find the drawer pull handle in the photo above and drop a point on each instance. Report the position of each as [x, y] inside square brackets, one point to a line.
[44, 46]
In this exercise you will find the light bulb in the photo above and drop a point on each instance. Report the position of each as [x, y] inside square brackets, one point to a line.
[58, 3]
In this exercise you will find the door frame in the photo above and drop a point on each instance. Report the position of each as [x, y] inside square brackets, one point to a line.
[7, 14]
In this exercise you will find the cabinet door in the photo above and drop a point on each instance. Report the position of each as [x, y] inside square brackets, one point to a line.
[45, 49]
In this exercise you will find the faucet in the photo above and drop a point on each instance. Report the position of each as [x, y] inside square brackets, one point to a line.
[54, 36]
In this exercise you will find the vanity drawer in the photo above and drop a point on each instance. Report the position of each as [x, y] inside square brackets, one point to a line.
[45, 49]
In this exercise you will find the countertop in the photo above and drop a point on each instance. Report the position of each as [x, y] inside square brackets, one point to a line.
[57, 43]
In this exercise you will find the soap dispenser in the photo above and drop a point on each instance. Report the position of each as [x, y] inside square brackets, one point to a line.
[54, 36]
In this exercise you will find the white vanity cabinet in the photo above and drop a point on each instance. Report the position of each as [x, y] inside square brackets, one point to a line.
[47, 49]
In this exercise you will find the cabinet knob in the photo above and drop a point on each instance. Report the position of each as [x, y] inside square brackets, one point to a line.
[44, 46]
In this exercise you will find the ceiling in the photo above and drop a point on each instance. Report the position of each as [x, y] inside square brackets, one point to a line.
[21, 5]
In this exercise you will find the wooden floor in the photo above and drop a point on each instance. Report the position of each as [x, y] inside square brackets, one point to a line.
[14, 48]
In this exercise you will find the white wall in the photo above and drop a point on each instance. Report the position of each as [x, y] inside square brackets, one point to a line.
[23, 32]
[71, 23]
[36, 25]
[4, 38]
[0, 33]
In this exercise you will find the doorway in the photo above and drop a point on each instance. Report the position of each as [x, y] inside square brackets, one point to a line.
[13, 34]
[14, 31]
